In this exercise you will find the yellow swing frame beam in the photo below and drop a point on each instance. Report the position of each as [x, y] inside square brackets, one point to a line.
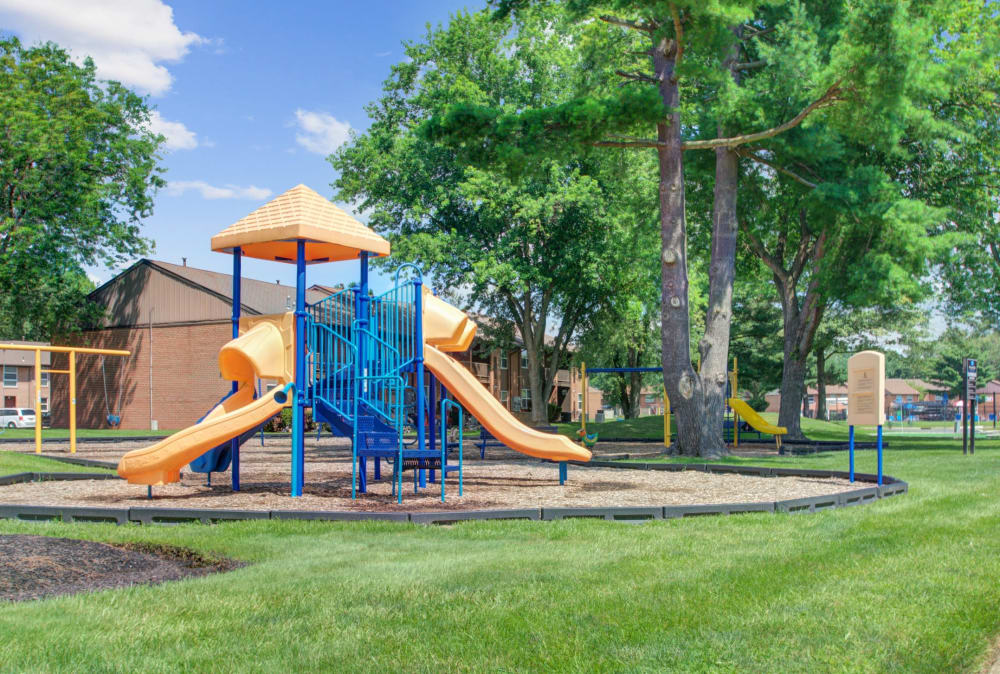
[72, 351]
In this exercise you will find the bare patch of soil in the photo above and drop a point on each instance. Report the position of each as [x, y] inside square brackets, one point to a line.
[33, 567]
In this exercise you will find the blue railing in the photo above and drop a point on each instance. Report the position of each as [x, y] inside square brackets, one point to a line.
[332, 352]
[393, 321]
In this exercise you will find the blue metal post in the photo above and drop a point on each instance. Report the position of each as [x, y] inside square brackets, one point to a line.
[418, 360]
[432, 385]
[879, 446]
[563, 470]
[363, 305]
[298, 409]
[850, 448]
[234, 444]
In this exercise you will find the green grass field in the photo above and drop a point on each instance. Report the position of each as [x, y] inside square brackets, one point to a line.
[14, 462]
[908, 584]
[63, 433]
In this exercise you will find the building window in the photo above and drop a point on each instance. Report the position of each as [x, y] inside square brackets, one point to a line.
[526, 400]
[812, 400]
[524, 359]
[650, 398]
[579, 401]
[504, 397]
[45, 379]
[503, 360]
[45, 405]
[10, 375]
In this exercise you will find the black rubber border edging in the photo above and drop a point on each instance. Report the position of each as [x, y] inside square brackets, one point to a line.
[891, 487]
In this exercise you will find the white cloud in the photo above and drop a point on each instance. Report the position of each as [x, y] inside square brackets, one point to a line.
[320, 132]
[176, 188]
[128, 39]
[382, 54]
[178, 136]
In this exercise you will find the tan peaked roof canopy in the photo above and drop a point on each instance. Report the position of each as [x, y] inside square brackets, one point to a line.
[271, 231]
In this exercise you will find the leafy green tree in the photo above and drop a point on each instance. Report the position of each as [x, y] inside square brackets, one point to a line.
[687, 70]
[625, 332]
[536, 254]
[841, 214]
[77, 175]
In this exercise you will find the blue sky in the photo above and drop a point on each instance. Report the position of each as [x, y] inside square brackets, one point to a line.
[251, 95]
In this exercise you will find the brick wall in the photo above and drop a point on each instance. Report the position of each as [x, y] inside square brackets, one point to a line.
[185, 376]
[23, 392]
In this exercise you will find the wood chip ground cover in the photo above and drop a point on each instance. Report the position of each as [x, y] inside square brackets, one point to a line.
[504, 480]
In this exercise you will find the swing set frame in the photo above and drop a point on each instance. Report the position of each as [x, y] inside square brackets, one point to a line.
[72, 351]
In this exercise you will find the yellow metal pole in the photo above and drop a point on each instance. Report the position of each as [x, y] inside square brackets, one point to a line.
[72, 402]
[38, 401]
[666, 418]
[736, 417]
[66, 349]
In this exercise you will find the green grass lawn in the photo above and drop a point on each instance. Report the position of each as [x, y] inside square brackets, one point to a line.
[63, 433]
[908, 584]
[15, 462]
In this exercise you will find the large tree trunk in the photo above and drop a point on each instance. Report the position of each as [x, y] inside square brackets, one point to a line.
[820, 383]
[714, 346]
[679, 378]
[800, 329]
[793, 377]
[539, 399]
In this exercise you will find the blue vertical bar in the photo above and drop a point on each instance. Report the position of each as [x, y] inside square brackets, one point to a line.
[562, 472]
[879, 446]
[234, 444]
[418, 358]
[850, 447]
[432, 384]
[298, 409]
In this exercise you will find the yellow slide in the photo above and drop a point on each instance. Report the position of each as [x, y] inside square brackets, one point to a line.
[447, 328]
[756, 421]
[266, 350]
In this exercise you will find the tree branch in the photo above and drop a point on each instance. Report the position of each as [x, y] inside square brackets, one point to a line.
[625, 23]
[629, 141]
[829, 97]
[637, 77]
[678, 38]
[748, 154]
[750, 65]
[770, 262]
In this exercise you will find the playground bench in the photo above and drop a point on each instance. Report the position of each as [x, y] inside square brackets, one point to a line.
[486, 438]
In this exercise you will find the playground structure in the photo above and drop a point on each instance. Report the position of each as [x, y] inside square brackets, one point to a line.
[71, 352]
[373, 367]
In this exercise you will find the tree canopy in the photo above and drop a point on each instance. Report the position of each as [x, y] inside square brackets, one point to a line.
[538, 253]
[78, 169]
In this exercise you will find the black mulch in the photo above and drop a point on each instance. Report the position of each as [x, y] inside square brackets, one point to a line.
[32, 567]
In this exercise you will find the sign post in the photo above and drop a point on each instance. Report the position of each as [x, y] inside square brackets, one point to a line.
[969, 371]
[866, 399]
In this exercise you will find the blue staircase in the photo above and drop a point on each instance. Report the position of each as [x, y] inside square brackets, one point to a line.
[367, 379]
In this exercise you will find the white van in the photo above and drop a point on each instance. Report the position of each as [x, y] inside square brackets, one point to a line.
[14, 417]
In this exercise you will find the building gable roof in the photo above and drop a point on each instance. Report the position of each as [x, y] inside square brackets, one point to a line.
[133, 297]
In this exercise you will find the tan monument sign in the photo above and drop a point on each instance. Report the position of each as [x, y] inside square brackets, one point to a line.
[866, 389]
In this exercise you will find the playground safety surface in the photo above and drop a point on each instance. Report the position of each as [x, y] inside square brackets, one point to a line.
[504, 480]
[32, 567]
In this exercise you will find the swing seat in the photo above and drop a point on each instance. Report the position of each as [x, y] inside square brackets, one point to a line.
[114, 419]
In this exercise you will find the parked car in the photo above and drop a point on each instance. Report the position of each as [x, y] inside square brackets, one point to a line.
[14, 417]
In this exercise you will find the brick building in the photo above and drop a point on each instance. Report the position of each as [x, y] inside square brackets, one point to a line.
[175, 318]
[17, 377]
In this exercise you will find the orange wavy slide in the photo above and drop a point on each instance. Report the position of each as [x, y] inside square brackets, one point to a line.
[266, 350]
[447, 328]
